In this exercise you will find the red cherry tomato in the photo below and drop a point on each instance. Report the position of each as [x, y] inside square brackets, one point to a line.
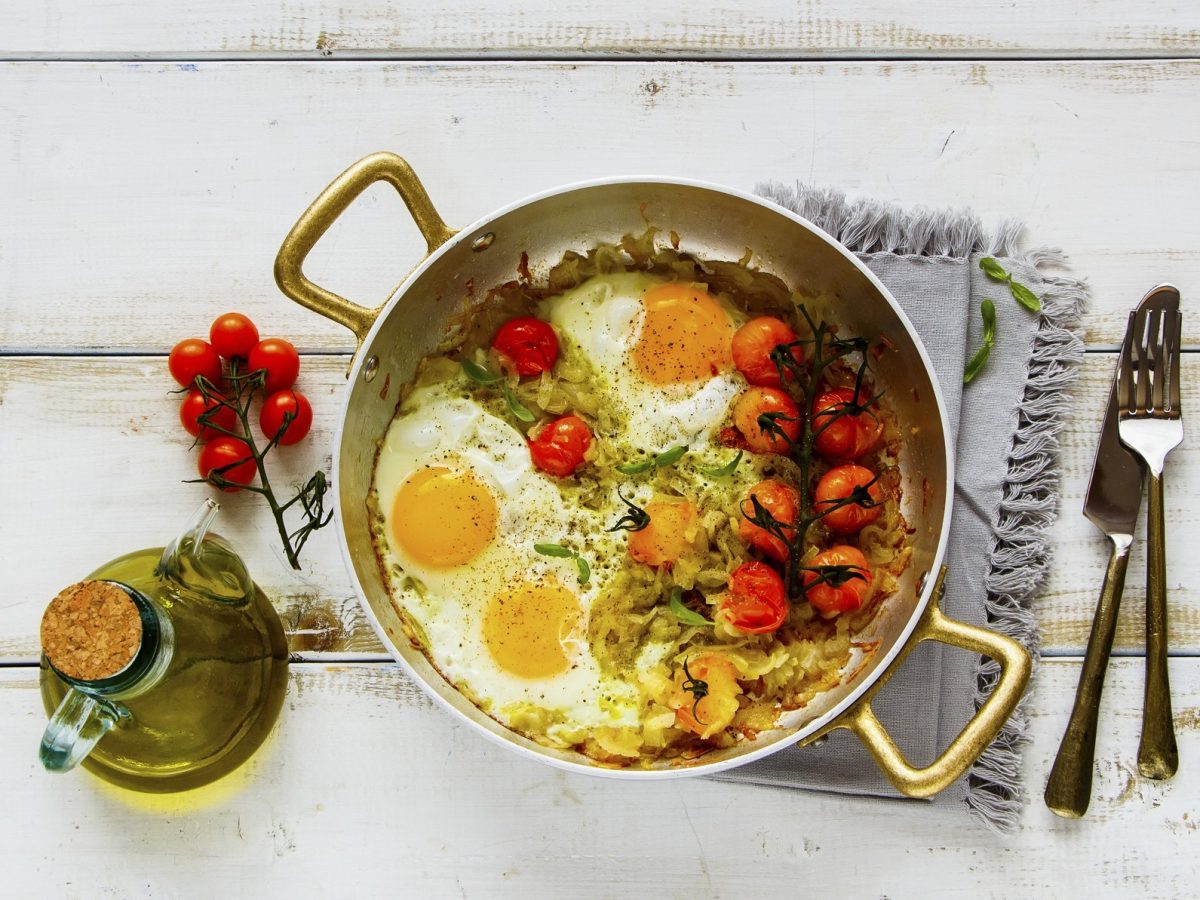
[832, 598]
[281, 361]
[839, 483]
[191, 358]
[752, 347]
[228, 451]
[782, 501]
[194, 405]
[754, 402]
[280, 404]
[233, 335]
[560, 447]
[847, 436]
[529, 342]
[756, 602]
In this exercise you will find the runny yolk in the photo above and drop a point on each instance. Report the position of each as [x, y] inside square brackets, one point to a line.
[686, 335]
[524, 628]
[443, 517]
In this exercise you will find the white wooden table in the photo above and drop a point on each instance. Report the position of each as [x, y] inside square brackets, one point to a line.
[151, 160]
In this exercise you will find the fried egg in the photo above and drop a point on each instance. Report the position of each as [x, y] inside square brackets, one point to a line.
[660, 351]
[462, 509]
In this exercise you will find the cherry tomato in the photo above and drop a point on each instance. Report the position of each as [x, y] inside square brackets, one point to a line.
[233, 335]
[191, 358]
[838, 484]
[279, 404]
[674, 525]
[529, 342]
[752, 347]
[832, 598]
[756, 602]
[228, 451]
[281, 361]
[194, 405]
[715, 709]
[754, 402]
[782, 501]
[845, 437]
[560, 447]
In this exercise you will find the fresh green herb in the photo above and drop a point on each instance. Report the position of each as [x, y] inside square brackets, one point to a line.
[636, 468]
[1021, 294]
[634, 520]
[697, 688]
[515, 406]
[668, 457]
[478, 373]
[481, 375]
[975, 365]
[682, 613]
[725, 470]
[561, 552]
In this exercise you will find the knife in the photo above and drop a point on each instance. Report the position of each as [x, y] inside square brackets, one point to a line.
[1113, 497]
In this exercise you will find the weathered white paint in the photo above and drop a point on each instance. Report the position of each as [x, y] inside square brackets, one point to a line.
[141, 197]
[318, 29]
[114, 483]
[367, 788]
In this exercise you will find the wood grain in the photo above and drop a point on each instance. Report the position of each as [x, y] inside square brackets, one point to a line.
[322, 29]
[141, 197]
[364, 776]
[113, 483]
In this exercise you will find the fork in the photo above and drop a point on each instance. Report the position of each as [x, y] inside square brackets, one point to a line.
[1151, 426]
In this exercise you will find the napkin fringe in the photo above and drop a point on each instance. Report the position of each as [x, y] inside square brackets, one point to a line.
[1019, 560]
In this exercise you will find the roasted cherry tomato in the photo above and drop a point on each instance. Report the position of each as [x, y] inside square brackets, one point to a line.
[276, 407]
[529, 342]
[752, 347]
[281, 361]
[756, 602]
[756, 401]
[782, 501]
[228, 451]
[674, 525]
[846, 436]
[839, 483]
[560, 447]
[705, 695]
[191, 358]
[233, 335]
[832, 598]
[194, 405]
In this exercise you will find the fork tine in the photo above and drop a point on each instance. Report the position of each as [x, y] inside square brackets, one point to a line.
[1174, 329]
[1125, 401]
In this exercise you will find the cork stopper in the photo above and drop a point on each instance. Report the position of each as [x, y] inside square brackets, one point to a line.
[91, 630]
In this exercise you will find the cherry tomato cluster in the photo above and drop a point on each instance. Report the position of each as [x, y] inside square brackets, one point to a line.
[233, 350]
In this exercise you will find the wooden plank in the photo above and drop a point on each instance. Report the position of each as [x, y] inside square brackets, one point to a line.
[113, 483]
[755, 29]
[364, 776]
[143, 196]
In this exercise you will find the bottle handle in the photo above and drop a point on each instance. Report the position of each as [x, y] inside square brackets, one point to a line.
[78, 724]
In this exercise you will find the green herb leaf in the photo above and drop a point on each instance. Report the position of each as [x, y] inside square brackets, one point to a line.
[515, 406]
[636, 468]
[682, 613]
[993, 269]
[478, 373]
[670, 456]
[585, 571]
[1025, 296]
[988, 310]
[554, 550]
[725, 470]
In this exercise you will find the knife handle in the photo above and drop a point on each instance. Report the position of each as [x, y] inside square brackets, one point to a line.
[1158, 756]
[1069, 788]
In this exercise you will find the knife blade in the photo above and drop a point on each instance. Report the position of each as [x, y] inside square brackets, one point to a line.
[1113, 498]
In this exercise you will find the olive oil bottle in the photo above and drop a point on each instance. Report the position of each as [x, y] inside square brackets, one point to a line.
[203, 681]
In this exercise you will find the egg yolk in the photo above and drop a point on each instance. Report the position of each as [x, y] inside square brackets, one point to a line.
[443, 517]
[524, 628]
[686, 335]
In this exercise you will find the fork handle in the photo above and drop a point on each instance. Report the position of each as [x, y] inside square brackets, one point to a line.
[1069, 788]
[1158, 757]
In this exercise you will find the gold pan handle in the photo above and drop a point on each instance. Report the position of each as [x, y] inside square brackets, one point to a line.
[333, 201]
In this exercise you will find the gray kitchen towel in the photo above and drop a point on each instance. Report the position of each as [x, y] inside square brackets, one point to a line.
[1006, 481]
